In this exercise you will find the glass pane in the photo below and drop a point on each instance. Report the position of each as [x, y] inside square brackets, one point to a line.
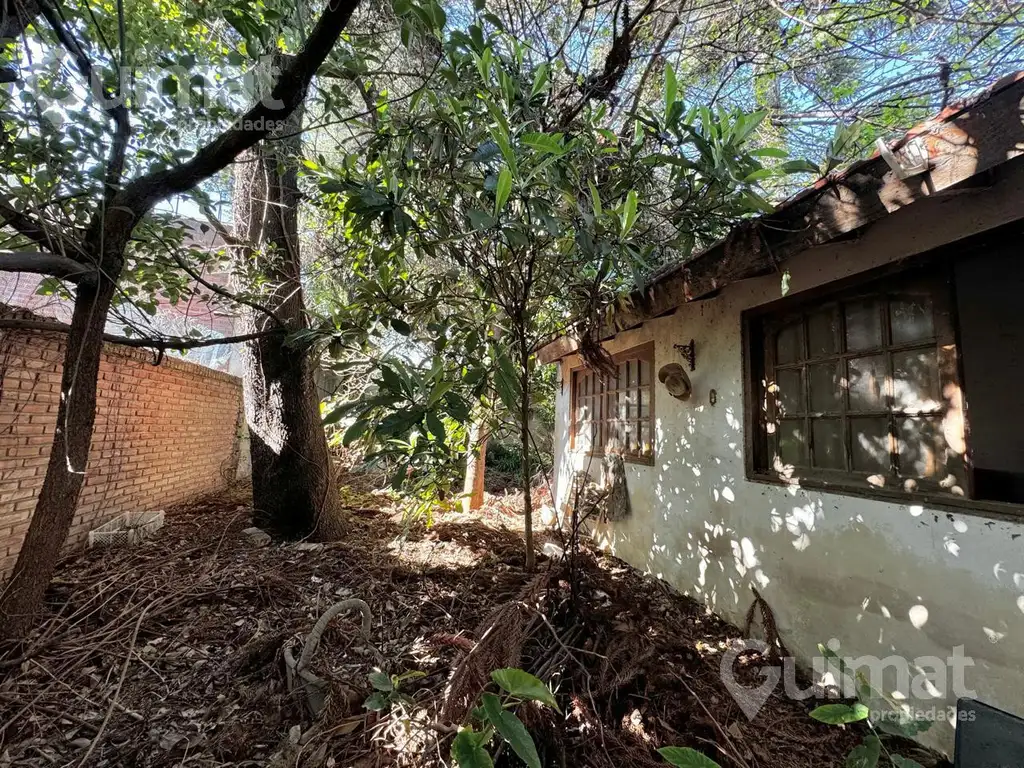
[791, 391]
[821, 333]
[915, 380]
[634, 367]
[623, 375]
[827, 435]
[824, 381]
[911, 317]
[869, 445]
[789, 344]
[922, 447]
[866, 383]
[645, 438]
[791, 441]
[645, 372]
[624, 405]
[863, 325]
[629, 437]
[645, 403]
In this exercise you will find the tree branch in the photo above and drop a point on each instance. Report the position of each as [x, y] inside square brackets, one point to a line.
[114, 106]
[41, 263]
[35, 230]
[140, 195]
[163, 343]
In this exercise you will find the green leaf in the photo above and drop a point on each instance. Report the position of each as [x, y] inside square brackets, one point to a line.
[523, 685]
[595, 199]
[354, 432]
[401, 326]
[865, 755]
[760, 173]
[684, 757]
[629, 212]
[550, 143]
[479, 220]
[512, 730]
[839, 714]
[503, 189]
[800, 166]
[435, 425]
[671, 87]
[467, 752]
[775, 152]
[380, 681]
[376, 702]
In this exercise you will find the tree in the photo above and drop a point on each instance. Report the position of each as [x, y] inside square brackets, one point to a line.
[94, 257]
[293, 485]
[534, 199]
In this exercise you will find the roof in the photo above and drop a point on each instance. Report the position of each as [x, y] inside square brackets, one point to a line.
[964, 140]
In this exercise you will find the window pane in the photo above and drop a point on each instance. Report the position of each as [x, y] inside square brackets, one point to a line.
[791, 391]
[821, 333]
[869, 443]
[922, 447]
[623, 375]
[645, 403]
[645, 438]
[915, 380]
[863, 325]
[827, 435]
[791, 442]
[789, 344]
[911, 318]
[629, 436]
[634, 367]
[824, 381]
[645, 372]
[866, 382]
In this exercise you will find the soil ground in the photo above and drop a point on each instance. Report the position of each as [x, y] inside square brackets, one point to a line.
[171, 652]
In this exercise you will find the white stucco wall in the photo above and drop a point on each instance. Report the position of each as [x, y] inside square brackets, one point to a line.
[881, 577]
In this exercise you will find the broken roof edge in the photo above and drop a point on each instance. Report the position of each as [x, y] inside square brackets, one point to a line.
[961, 141]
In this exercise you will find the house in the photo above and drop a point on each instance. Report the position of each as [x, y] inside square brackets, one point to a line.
[852, 447]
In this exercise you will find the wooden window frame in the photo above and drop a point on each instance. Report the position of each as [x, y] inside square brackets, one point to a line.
[935, 265]
[643, 352]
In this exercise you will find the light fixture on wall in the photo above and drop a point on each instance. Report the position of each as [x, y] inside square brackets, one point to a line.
[674, 377]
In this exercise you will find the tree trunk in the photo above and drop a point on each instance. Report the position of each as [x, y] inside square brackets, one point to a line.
[22, 598]
[476, 461]
[293, 484]
[524, 431]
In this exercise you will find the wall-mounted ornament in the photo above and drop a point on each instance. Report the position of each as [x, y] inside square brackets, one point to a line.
[689, 353]
[674, 377]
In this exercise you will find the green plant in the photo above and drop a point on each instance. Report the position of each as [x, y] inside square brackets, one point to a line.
[893, 719]
[684, 757]
[387, 690]
[494, 717]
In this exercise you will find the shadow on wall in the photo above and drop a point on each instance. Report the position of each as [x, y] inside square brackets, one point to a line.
[882, 577]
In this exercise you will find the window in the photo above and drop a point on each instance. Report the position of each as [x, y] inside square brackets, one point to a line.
[862, 389]
[614, 414]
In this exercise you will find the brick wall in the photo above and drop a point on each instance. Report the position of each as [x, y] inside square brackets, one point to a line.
[163, 433]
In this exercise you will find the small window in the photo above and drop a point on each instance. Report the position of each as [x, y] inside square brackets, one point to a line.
[614, 414]
[861, 389]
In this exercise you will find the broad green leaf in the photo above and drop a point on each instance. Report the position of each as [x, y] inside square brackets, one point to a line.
[376, 702]
[480, 220]
[467, 752]
[523, 685]
[544, 142]
[906, 727]
[684, 757]
[354, 432]
[629, 212]
[595, 199]
[380, 681]
[540, 79]
[775, 152]
[865, 755]
[838, 714]
[671, 87]
[435, 425]
[800, 166]
[401, 326]
[512, 730]
[760, 173]
[502, 191]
